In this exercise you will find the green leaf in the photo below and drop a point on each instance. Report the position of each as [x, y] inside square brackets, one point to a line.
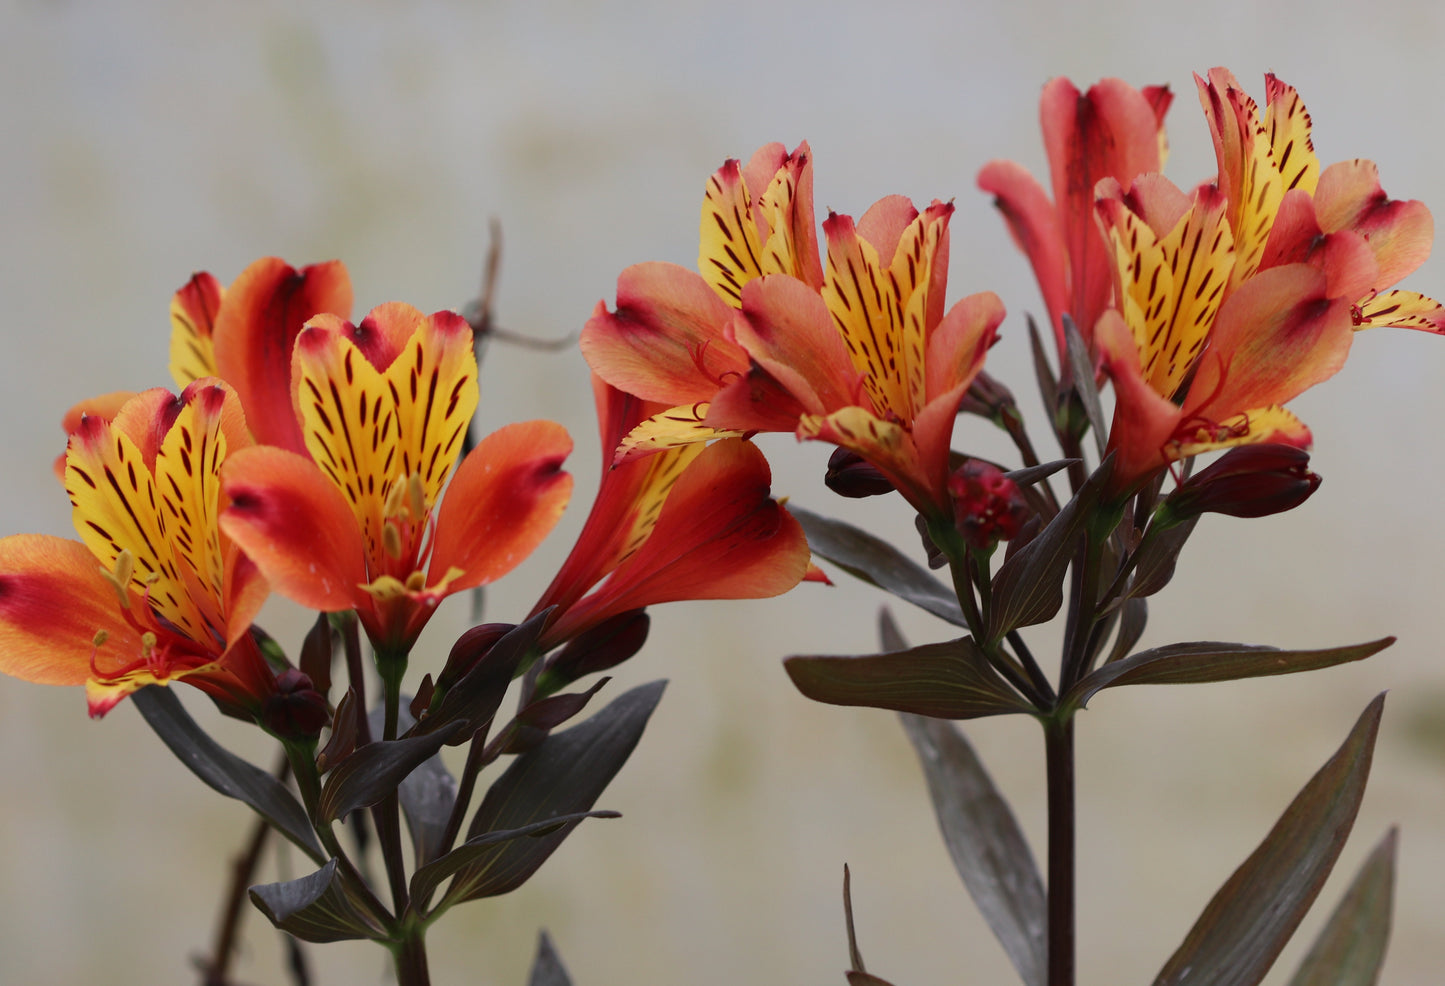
[316, 908]
[223, 770]
[1206, 660]
[987, 846]
[950, 680]
[877, 562]
[554, 781]
[547, 968]
[425, 881]
[376, 769]
[1241, 932]
[1351, 948]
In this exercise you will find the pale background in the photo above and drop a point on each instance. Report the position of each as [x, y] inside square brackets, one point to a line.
[143, 141]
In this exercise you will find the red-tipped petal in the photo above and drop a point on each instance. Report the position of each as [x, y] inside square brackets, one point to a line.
[1349, 196]
[296, 526]
[256, 329]
[193, 317]
[53, 601]
[665, 341]
[506, 497]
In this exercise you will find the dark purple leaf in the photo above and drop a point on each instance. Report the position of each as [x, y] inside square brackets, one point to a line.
[547, 968]
[1048, 383]
[223, 770]
[1082, 365]
[987, 846]
[1351, 948]
[1241, 932]
[317, 908]
[950, 680]
[375, 770]
[474, 699]
[1154, 566]
[1206, 660]
[877, 562]
[1133, 617]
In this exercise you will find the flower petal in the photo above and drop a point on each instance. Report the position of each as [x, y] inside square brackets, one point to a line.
[263, 312]
[193, 319]
[507, 495]
[1273, 425]
[1401, 310]
[1031, 220]
[296, 526]
[1400, 232]
[665, 342]
[676, 427]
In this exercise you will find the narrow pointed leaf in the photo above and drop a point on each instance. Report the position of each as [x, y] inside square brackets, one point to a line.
[375, 770]
[855, 957]
[877, 562]
[474, 699]
[1048, 383]
[866, 979]
[425, 881]
[223, 770]
[1251, 917]
[547, 968]
[987, 846]
[1028, 588]
[1157, 558]
[950, 680]
[1206, 660]
[1351, 948]
[1084, 384]
[561, 777]
[316, 908]
[1132, 620]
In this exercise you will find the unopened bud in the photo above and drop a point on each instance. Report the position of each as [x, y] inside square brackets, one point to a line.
[604, 646]
[296, 710]
[851, 476]
[987, 506]
[469, 650]
[1249, 481]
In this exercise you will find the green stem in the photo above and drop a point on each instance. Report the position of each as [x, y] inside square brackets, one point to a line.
[410, 957]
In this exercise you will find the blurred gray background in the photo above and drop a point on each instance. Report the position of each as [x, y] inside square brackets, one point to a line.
[144, 141]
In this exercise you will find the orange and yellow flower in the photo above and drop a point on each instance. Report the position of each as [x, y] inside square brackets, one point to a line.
[383, 408]
[690, 522]
[154, 591]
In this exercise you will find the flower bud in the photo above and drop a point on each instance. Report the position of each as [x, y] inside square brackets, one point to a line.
[1248, 481]
[297, 710]
[987, 506]
[604, 646]
[469, 649]
[851, 476]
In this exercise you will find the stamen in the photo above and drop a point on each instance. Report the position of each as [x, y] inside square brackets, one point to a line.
[391, 540]
[416, 582]
[394, 497]
[416, 494]
[119, 577]
[98, 641]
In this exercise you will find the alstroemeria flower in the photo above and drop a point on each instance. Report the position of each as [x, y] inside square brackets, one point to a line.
[1195, 365]
[671, 325]
[1284, 209]
[245, 334]
[1111, 131]
[156, 592]
[383, 407]
[692, 522]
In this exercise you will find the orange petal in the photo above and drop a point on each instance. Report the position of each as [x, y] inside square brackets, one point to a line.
[255, 332]
[507, 495]
[665, 342]
[1400, 232]
[1033, 223]
[193, 318]
[785, 327]
[296, 526]
[53, 601]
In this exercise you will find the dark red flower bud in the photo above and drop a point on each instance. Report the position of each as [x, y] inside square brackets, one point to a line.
[469, 649]
[604, 646]
[851, 476]
[1249, 481]
[987, 506]
[297, 710]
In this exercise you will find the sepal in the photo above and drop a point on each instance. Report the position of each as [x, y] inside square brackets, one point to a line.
[317, 908]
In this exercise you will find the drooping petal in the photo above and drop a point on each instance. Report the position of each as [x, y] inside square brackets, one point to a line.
[53, 601]
[1344, 255]
[296, 526]
[676, 427]
[1349, 196]
[665, 342]
[193, 320]
[264, 311]
[1401, 310]
[1033, 223]
[1273, 425]
[785, 327]
[957, 349]
[507, 495]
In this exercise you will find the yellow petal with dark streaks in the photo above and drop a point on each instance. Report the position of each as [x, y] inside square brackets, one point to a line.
[674, 428]
[349, 423]
[780, 251]
[193, 318]
[912, 276]
[1401, 310]
[434, 385]
[1287, 125]
[1256, 200]
[863, 301]
[1200, 253]
[116, 509]
[1265, 424]
[663, 471]
[729, 251]
[1146, 283]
